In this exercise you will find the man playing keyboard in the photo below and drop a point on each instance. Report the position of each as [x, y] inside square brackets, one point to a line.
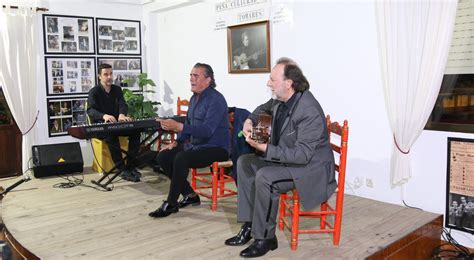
[107, 105]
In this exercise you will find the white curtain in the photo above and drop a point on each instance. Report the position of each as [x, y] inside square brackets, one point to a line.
[413, 41]
[18, 52]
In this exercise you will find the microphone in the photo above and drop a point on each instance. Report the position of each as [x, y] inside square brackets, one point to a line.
[14, 185]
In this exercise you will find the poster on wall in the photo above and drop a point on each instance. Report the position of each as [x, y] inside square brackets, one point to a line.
[69, 75]
[234, 12]
[68, 34]
[123, 68]
[118, 37]
[64, 113]
[460, 185]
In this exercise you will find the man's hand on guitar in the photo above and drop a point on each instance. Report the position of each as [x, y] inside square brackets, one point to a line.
[109, 118]
[258, 146]
[247, 129]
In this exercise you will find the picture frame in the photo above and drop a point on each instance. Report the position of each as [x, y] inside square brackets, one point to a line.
[248, 48]
[64, 113]
[460, 185]
[66, 75]
[65, 34]
[118, 37]
[123, 68]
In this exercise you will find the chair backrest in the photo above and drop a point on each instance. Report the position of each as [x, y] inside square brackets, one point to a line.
[182, 107]
[338, 137]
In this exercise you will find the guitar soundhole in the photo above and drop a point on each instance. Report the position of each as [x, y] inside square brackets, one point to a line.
[261, 132]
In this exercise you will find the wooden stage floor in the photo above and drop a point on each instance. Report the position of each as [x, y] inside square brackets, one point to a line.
[83, 222]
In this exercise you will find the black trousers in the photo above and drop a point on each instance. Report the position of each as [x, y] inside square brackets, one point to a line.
[177, 162]
[114, 147]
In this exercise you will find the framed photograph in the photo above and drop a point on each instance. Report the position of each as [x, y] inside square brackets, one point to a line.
[460, 185]
[248, 48]
[64, 113]
[69, 75]
[124, 68]
[68, 34]
[118, 37]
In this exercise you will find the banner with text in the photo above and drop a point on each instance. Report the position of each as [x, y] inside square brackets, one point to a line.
[234, 12]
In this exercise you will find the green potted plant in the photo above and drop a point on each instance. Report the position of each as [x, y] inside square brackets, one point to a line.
[138, 107]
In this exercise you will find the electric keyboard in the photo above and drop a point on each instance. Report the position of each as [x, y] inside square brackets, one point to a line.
[90, 131]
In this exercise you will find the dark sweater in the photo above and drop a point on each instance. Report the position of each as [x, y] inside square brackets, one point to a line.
[101, 102]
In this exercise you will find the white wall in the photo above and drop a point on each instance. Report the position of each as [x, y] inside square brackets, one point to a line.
[338, 54]
[335, 44]
[74, 8]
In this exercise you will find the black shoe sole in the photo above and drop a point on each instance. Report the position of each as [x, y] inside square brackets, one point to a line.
[151, 214]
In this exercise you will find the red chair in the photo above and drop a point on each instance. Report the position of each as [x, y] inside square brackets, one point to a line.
[167, 137]
[182, 107]
[290, 205]
[214, 179]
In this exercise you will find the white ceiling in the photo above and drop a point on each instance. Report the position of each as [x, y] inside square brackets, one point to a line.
[130, 2]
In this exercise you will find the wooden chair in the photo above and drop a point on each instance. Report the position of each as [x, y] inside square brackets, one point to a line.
[167, 137]
[214, 179]
[182, 107]
[290, 205]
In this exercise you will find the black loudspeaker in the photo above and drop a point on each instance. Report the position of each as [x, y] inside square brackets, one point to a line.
[56, 159]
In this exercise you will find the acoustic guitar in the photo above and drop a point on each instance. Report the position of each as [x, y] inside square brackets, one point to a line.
[242, 61]
[261, 132]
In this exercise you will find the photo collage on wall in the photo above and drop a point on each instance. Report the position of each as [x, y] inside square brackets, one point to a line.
[118, 37]
[124, 68]
[70, 75]
[64, 113]
[71, 61]
[68, 34]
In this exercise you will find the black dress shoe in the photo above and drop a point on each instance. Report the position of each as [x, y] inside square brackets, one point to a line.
[129, 176]
[242, 237]
[195, 201]
[260, 247]
[157, 168]
[164, 211]
[136, 173]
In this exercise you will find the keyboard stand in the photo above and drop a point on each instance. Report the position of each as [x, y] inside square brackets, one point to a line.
[142, 150]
